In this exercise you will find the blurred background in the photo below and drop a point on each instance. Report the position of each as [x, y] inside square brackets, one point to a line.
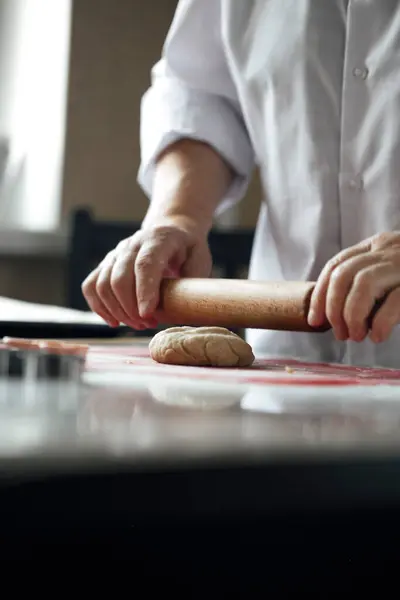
[72, 74]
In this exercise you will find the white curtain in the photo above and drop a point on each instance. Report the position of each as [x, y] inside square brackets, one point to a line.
[34, 59]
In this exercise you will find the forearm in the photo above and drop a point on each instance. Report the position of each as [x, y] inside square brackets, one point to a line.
[190, 181]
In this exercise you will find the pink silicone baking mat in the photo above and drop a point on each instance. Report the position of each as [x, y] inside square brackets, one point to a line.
[136, 359]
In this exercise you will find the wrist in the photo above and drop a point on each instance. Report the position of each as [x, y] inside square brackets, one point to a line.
[198, 227]
[190, 180]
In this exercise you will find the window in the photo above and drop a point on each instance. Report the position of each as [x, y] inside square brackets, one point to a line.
[34, 60]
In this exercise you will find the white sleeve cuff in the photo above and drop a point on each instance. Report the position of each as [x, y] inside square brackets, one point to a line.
[171, 111]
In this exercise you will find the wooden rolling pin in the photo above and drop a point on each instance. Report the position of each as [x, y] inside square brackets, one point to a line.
[237, 303]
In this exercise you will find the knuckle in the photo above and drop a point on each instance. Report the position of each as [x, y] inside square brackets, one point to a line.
[130, 245]
[355, 313]
[164, 234]
[161, 231]
[136, 238]
[109, 257]
[383, 257]
[353, 317]
[333, 315]
[120, 283]
[102, 287]
[334, 263]
[122, 246]
[144, 261]
[364, 282]
[382, 240]
[338, 274]
[86, 287]
[118, 279]
[88, 284]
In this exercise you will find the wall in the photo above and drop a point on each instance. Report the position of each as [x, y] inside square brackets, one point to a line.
[33, 279]
[34, 52]
[114, 45]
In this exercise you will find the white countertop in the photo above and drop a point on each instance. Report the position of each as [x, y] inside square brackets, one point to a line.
[136, 418]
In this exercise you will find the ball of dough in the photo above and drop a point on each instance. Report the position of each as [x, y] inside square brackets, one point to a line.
[200, 347]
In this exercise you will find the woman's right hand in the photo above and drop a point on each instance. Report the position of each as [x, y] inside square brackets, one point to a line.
[125, 286]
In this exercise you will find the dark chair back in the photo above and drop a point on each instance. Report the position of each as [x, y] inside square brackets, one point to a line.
[91, 240]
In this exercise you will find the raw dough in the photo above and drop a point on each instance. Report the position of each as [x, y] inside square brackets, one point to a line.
[200, 347]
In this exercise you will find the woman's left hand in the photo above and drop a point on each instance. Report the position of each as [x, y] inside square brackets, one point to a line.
[352, 282]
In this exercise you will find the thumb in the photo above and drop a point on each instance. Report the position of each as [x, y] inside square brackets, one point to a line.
[151, 262]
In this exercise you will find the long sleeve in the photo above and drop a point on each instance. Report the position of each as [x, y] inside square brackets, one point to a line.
[193, 96]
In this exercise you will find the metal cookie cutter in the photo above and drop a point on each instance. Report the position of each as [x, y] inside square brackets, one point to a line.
[38, 364]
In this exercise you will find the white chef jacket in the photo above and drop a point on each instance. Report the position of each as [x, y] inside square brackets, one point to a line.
[308, 90]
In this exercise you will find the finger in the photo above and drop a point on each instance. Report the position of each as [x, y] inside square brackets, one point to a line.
[173, 268]
[106, 294]
[122, 282]
[339, 286]
[94, 302]
[151, 263]
[316, 314]
[171, 273]
[198, 263]
[369, 285]
[385, 240]
[387, 317]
